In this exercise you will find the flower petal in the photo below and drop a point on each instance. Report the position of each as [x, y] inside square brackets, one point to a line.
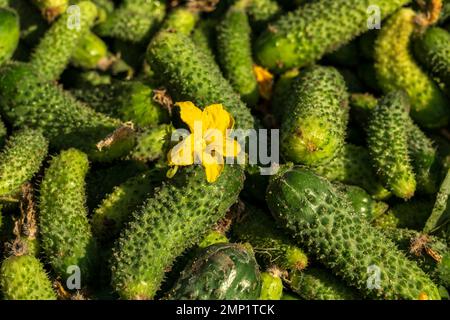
[183, 153]
[231, 148]
[189, 113]
[216, 117]
[212, 168]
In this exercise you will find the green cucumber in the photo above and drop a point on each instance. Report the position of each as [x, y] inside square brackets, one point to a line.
[432, 49]
[271, 285]
[411, 215]
[91, 53]
[271, 245]
[313, 211]
[181, 19]
[24, 278]
[397, 69]
[9, 33]
[50, 9]
[219, 272]
[262, 12]
[64, 227]
[388, 144]
[53, 53]
[235, 53]
[152, 144]
[319, 284]
[26, 100]
[303, 36]
[133, 21]
[314, 124]
[21, 159]
[204, 37]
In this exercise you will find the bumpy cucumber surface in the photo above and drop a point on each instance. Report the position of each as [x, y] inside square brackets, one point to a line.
[314, 124]
[235, 53]
[64, 227]
[174, 219]
[9, 33]
[388, 144]
[21, 159]
[220, 272]
[204, 37]
[24, 278]
[353, 166]
[134, 20]
[319, 284]
[55, 49]
[317, 215]
[271, 245]
[303, 36]
[26, 100]
[397, 69]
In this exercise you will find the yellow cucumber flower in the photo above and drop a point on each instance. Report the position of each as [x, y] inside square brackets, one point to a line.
[265, 81]
[209, 141]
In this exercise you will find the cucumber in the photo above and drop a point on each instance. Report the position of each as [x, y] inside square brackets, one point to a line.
[301, 37]
[388, 144]
[26, 100]
[429, 106]
[204, 37]
[133, 21]
[271, 245]
[172, 220]
[152, 144]
[432, 49]
[50, 9]
[181, 19]
[64, 227]
[24, 278]
[91, 53]
[261, 12]
[20, 160]
[353, 166]
[314, 124]
[319, 284]
[410, 215]
[219, 272]
[313, 211]
[53, 53]
[9, 33]
[271, 285]
[235, 53]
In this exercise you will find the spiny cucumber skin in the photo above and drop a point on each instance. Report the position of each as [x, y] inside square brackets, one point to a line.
[64, 227]
[28, 101]
[125, 100]
[319, 284]
[190, 75]
[261, 12]
[24, 278]
[114, 211]
[53, 53]
[235, 54]
[432, 50]
[9, 33]
[397, 69]
[353, 166]
[411, 215]
[181, 19]
[314, 124]
[323, 221]
[174, 219]
[90, 52]
[271, 245]
[134, 21]
[204, 37]
[152, 144]
[220, 272]
[388, 144]
[301, 37]
[21, 159]
[271, 286]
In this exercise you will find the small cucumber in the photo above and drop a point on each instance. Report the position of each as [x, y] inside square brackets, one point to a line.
[181, 19]
[91, 53]
[271, 285]
[9, 33]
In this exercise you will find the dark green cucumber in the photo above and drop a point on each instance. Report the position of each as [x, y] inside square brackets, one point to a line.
[319, 284]
[388, 144]
[235, 53]
[53, 53]
[397, 69]
[271, 285]
[432, 49]
[26, 100]
[24, 278]
[303, 36]
[411, 215]
[271, 245]
[64, 227]
[353, 166]
[313, 211]
[314, 124]
[9, 33]
[133, 20]
[220, 272]
[181, 19]
[21, 159]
